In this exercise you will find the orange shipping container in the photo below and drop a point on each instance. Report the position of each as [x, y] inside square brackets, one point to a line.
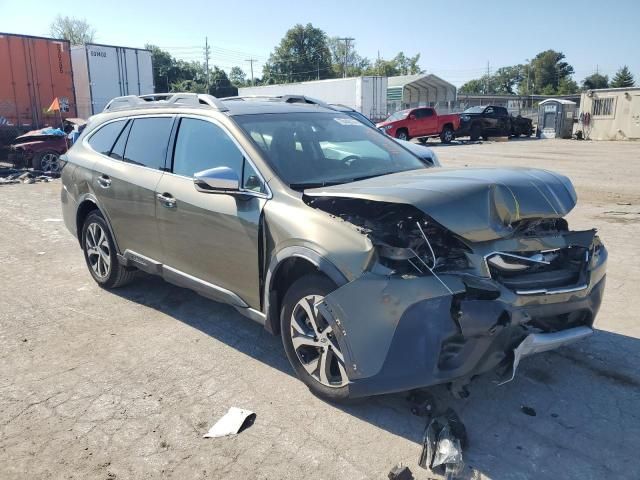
[33, 72]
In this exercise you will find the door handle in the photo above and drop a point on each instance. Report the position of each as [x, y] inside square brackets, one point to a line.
[166, 200]
[104, 181]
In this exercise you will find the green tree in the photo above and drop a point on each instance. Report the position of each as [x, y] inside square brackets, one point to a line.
[237, 77]
[595, 81]
[188, 86]
[548, 70]
[398, 65]
[407, 65]
[476, 86]
[623, 78]
[77, 31]
[356, 64]
[303, 54]
[567, 86]
[505, 79]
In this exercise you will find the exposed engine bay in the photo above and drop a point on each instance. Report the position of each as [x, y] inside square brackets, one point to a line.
[410, 242]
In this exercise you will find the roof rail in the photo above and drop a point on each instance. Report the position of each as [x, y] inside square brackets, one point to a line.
[165, 99]
[289, 98]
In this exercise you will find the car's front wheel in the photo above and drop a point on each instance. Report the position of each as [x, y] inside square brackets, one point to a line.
[402, 134]
[100, 253]
[309, 341]
[48, 161]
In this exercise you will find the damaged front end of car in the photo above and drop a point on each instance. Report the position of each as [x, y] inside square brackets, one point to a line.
[436, 306]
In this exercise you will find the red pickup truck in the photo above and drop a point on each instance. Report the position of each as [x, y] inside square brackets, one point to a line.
[421, 123]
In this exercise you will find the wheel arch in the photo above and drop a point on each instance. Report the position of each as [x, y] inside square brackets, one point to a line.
[87, 205]
[285, 267]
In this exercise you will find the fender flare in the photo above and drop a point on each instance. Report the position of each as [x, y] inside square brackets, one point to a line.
[277, 259]
[90, 197]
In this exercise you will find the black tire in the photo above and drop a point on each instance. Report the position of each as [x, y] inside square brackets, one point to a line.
[447, 135]
[475, 132]
[485, 137]
[47, 161]
[312, 284]
[116, 275]
[403, 134]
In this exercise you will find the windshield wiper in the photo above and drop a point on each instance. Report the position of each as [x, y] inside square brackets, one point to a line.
[297, 186]
[366, 177]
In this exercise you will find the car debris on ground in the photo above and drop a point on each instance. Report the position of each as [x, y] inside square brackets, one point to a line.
[233, 422]
[400, 472]
[12, 175]
[444, 439]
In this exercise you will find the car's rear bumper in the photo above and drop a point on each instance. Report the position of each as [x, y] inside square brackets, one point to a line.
[456, 334]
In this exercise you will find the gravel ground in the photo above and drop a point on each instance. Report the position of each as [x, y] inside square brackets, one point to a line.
[123, 384]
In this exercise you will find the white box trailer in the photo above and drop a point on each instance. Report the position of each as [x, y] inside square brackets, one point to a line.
[102, 72]
[367, 95]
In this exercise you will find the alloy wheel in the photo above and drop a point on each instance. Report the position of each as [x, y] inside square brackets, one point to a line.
[50, 163]
[315, 343]
[98, 251]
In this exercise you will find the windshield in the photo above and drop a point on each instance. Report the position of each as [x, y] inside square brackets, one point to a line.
[474, 110]
[317, 149]
[401, 115]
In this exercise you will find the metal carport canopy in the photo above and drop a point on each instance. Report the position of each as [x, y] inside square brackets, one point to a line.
[437, 89]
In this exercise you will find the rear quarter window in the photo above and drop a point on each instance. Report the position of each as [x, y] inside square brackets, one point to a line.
[103, 139]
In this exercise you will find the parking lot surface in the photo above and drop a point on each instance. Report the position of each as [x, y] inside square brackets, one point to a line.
[123, 384]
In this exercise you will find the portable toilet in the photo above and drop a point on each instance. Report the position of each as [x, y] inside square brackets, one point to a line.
[555, 118]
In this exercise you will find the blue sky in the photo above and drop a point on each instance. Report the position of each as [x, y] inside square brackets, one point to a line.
[456, 39]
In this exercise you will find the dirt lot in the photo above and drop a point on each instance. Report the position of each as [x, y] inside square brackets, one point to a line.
[106, 385]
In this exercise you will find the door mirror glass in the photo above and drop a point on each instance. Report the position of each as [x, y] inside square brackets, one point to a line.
[217, 180]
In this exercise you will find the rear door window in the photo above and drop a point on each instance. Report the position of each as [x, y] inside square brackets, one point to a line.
[117, 151]
[147, 142]
[103, 139]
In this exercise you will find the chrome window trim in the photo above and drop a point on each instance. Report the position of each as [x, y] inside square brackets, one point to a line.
[268, 195]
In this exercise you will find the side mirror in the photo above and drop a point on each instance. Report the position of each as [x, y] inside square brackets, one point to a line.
[217, 180]
[412, 117]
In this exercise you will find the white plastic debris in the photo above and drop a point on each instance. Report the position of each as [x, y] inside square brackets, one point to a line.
[230, 423]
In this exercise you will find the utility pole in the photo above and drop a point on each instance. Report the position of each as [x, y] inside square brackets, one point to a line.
[346, 41]
[251, 60]
[488, 75]
[206, 60]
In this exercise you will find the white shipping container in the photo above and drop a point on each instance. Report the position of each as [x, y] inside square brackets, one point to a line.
[367, 95]
[102, 72]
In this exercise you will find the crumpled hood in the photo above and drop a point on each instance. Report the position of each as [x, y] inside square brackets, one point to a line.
[478, 204]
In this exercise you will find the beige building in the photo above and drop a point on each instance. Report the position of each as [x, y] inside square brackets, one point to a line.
[610, 114]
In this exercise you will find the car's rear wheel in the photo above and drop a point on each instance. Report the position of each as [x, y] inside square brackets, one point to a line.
[447, 135]
[47, 161]
[100, 253]
[402, 134]
[309, 341]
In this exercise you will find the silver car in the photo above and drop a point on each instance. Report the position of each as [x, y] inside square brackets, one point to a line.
[379, 272]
